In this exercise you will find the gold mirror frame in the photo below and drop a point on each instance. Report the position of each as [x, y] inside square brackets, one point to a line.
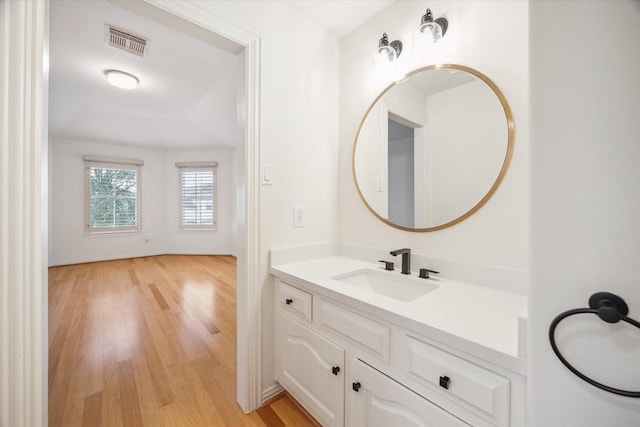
[503, 170]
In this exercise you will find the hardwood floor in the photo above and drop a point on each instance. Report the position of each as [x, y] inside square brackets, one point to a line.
[149, 342]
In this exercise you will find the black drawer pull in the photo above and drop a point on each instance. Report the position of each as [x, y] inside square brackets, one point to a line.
[445, 382]
[356, 386]
[335, 370]
[288, 301]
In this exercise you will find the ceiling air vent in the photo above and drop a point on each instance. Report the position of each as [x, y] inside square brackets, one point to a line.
[125, 41]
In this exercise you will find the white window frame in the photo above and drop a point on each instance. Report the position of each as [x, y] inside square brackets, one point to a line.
[115, 163]
[198, 167]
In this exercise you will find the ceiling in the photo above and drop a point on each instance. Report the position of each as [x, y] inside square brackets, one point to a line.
[186, 98]
[339, 17]
[187, 92]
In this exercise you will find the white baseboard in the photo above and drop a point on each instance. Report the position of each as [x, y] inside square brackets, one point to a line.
[57, 263]
[270, 392]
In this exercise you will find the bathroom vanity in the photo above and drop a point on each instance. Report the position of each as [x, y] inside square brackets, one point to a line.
[360, 346]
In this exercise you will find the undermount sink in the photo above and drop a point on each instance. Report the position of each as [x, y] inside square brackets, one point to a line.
[389, 284]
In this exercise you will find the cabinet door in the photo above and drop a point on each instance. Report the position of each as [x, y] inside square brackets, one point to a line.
[311, 368]
[375, 400]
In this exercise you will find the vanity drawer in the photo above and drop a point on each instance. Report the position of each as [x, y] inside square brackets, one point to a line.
[482, 391]
[370, 335]
[295, 301]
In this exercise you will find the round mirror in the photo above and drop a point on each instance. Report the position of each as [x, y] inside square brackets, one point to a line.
[433, 148]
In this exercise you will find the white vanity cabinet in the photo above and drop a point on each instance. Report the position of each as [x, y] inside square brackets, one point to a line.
[373, 400]
[348, 364]
[308, 365]
[482, 395]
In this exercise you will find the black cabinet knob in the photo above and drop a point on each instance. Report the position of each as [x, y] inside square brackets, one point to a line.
[356, 386]
[335, 370]
[445, 382]
[288, 301]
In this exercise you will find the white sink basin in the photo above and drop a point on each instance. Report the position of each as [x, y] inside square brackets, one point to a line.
[390, 284]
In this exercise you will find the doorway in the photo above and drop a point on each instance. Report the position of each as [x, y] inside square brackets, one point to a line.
[400, 146]
[246, 218]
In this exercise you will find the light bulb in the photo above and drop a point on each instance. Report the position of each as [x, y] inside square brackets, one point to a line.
[431, 31]
[384, 55]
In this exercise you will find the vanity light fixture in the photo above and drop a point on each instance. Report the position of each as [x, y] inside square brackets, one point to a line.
[388, 52]
[431, 29]
[121, 79]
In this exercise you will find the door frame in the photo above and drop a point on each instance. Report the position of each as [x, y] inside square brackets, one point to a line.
[249, 303]
[24, 346]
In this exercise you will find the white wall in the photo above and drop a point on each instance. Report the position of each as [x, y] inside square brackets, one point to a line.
[585, 200]
[496, 235]
[159, 206]
[298, 134]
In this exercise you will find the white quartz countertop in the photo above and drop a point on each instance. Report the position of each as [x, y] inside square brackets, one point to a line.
[474, 319]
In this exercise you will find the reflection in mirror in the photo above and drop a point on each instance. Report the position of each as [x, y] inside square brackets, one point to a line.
[401, 159]
[433, 148]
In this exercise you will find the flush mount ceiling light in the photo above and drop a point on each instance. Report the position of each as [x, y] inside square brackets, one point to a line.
[121, 79]
[432, 29]
[388, 52]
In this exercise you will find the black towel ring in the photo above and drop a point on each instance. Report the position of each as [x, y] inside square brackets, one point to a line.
[610, 308]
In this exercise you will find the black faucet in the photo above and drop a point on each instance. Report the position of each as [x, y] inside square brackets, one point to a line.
[406, 259]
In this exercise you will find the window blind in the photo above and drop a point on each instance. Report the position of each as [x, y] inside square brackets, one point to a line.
[197, 193]
[112, 160]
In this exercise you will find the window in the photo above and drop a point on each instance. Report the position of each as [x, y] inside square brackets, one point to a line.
[112, 194]
[197, 195]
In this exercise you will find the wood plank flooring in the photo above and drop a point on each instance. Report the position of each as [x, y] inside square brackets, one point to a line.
[149, 342]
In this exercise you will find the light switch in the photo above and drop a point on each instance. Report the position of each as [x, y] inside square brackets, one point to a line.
[267, 175]
[299, 218]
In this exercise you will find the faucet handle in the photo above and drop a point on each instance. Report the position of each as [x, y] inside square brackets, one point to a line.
[424, 273]
[388, 265]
